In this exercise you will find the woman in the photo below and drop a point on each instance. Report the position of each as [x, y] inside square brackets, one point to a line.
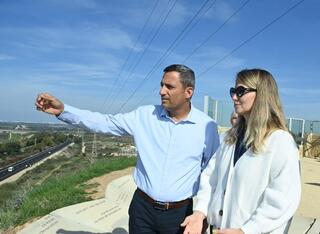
[233, 118]
[252, 185]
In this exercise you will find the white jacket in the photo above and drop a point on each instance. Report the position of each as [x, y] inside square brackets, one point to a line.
[260, 194]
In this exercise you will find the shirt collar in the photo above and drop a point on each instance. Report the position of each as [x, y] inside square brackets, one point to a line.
[190, 118]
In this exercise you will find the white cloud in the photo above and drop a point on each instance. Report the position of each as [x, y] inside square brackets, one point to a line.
[178, 15]
[88, 36]
[210, 55]
[72, 75]
[113, 38]
[138, 14]
[305, 110]
[75, 3]
[220, 11]
[301, 92]
[6, 57]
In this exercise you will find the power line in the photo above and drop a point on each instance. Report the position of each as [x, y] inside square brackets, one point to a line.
[216, 31]
[130, 53]
[145, 50]
[252, 37]
[176, 41]
[211, 35]
[244, 42]
[169, 50]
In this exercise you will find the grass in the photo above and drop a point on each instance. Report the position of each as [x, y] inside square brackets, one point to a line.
[25, 199]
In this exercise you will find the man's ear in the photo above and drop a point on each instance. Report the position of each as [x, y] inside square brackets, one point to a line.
[189, 92]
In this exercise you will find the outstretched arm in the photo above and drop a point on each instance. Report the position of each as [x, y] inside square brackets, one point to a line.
[119, 124]
[49, 104]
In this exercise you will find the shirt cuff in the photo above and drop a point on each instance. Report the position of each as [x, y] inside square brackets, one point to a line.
[69, 115]
[250, 228]
[201, 206]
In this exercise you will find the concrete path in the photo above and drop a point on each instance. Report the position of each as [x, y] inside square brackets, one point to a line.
[310, 197]
[110, 214]
[106, 215]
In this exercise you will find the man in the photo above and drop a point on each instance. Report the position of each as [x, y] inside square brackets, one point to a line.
[174, 141]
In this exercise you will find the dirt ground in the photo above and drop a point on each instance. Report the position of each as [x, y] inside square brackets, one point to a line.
[102, 182]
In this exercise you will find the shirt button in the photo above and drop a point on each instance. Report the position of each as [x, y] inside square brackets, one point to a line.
[220, 212]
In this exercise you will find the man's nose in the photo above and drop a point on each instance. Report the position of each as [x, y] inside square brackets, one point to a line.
[162, 90]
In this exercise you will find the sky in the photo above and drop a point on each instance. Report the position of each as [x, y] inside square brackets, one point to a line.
[109, 55]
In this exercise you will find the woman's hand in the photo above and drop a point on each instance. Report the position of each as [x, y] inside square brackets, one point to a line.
[194, 223]
[229, 231]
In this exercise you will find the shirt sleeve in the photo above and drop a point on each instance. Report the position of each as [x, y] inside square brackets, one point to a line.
[212, 143]
[208, 183]
[282, 196]
[120, 124]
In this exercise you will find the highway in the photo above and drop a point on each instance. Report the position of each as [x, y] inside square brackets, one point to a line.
[12, 169]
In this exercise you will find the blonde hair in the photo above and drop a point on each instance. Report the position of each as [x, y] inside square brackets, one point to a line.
[266, 114]
[233, 118]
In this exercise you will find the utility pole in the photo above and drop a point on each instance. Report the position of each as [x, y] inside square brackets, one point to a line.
[83, 148]
[10, 135]
[94, 148]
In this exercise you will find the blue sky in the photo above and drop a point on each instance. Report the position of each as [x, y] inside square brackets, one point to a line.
[86, 52]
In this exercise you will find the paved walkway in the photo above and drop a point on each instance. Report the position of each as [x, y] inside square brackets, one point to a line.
[307, 216]
[310, 177]
[109, 215]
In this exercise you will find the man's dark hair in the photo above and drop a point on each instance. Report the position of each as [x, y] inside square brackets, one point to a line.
[187, 77]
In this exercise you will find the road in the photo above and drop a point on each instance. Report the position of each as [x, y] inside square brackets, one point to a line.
[12, 169]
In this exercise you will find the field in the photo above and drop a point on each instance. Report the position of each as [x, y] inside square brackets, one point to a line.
[61, 181]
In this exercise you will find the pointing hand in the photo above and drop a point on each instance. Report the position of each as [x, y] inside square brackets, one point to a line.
[49, 104]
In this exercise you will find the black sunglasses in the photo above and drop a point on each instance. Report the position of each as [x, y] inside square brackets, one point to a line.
[240, 91]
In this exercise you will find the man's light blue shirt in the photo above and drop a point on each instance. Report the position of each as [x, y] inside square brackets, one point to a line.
[171, 155]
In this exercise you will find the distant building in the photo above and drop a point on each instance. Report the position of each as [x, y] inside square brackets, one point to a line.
[130, 149]
[312, 126]
[219, 111]
[125, 151]
[296, 126]
[21, 127]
